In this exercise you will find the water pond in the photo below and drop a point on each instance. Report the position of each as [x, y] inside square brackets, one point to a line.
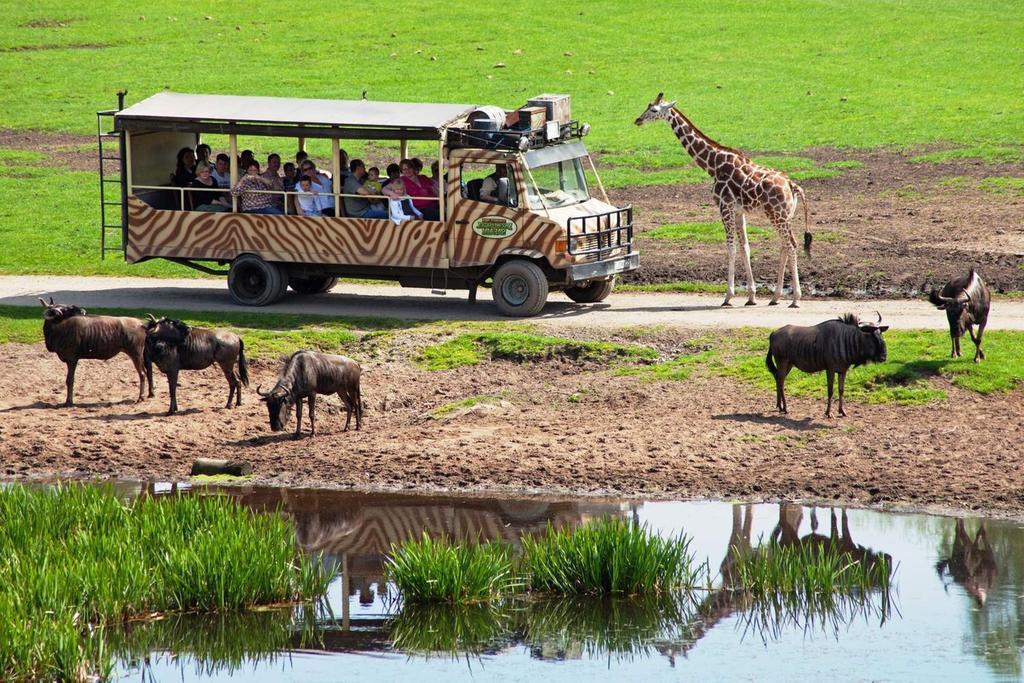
[954, 612]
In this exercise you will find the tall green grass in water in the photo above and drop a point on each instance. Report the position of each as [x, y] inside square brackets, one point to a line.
[811, 569]
[74, 560]
[605, 556]
[439, 570]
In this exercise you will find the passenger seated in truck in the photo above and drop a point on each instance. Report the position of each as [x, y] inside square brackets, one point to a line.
[222, 171]
[324, 186]
[290, 178]
[207, 201]
[203, 152]
[394, 172]
[249, 199]
[184, 167]
[489, 190]
[424, 196]
[307, 199]
[273, 176]
[357, 206]
[400, 208]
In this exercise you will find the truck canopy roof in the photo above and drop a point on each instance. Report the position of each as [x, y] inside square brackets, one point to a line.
[290, 116]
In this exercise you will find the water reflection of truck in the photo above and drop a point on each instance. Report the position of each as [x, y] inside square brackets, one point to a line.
[541, 231]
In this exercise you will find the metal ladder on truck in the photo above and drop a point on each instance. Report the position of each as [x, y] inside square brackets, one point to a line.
[113, 181]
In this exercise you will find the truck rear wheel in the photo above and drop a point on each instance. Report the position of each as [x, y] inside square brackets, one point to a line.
[590, 292]
[520, 288]
[312, 285]
[255, 282]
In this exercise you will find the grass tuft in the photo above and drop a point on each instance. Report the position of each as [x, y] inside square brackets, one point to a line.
[80, 560]
[442, 571]
[520, 347]
[607, 556]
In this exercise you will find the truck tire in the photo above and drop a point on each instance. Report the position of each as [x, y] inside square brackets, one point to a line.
[312, 285]
[591, 292]
[520, 288]
[255, 282]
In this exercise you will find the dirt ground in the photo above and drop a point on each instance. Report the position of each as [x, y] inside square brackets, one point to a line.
[556, 426]
[886, 229]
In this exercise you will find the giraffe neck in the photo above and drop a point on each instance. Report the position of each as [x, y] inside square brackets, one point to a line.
[706, 153]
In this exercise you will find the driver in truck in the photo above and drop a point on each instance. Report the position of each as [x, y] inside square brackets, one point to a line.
[491, 189]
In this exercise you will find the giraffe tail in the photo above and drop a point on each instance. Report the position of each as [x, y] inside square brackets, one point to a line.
[808, 237]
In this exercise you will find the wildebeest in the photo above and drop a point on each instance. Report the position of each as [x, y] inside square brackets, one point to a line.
[966, 301]
[175, 346]
[306, 374]
[74, 335]
[833, 346]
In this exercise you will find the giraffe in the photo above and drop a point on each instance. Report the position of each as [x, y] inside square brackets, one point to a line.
[741, 186]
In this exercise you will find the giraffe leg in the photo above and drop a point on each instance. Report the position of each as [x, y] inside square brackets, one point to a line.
[797, 294]
[741, 230]
[783, 258]
[729, 225]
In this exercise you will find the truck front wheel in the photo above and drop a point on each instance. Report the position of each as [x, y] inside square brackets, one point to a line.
[520, 288]
[590, 292]
[255, 282]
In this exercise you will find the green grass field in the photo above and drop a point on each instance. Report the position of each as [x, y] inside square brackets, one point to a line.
[780, 77]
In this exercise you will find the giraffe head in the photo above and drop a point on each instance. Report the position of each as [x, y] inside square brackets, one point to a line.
[658, 109]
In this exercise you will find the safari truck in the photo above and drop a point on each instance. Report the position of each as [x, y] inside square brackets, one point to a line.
[515, 210]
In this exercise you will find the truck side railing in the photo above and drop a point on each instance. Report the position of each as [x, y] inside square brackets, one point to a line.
[601, 234]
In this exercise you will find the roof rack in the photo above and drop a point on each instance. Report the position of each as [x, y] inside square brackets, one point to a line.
[511, 139]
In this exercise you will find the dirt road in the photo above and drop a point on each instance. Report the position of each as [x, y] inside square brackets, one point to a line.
[689, 311]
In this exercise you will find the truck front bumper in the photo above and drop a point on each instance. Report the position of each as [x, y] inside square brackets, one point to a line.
[601, 269]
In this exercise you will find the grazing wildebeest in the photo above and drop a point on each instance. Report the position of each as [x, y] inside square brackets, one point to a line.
[74, 335]
[833, 346]
[175, 346]
[966, 301]
[306, 374]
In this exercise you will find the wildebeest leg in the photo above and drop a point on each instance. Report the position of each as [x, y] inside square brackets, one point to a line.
[346, 399]
[298, 418]
[312, 414]
[69, 382]
[140, 370]
[172, 385]
[728, 223]
[233, 384]
[147, 363]
[979, 355]
[359, 408]
[831, 379]
[780, 386]
[842, 386]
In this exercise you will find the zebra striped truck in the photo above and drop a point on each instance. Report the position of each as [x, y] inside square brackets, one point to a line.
[515, 206]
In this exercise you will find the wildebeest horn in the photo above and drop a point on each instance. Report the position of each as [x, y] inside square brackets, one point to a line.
[879, 316]
[151, 317]
[260, 392]
[51, 302]
[968, 295]
[45, 305]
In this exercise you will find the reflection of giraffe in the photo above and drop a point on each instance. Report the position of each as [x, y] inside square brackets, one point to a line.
[729, 598]
[741, 186]
[972, 564]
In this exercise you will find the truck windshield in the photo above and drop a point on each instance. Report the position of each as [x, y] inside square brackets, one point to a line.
[561, 183]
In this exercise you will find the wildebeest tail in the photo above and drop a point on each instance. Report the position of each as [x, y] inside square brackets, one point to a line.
[808, 237]
[243, 364]
[769, 363]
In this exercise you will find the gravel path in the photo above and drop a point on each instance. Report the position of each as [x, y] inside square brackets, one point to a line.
[620, 310]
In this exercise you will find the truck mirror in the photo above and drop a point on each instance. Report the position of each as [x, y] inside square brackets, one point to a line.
[503, 191]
